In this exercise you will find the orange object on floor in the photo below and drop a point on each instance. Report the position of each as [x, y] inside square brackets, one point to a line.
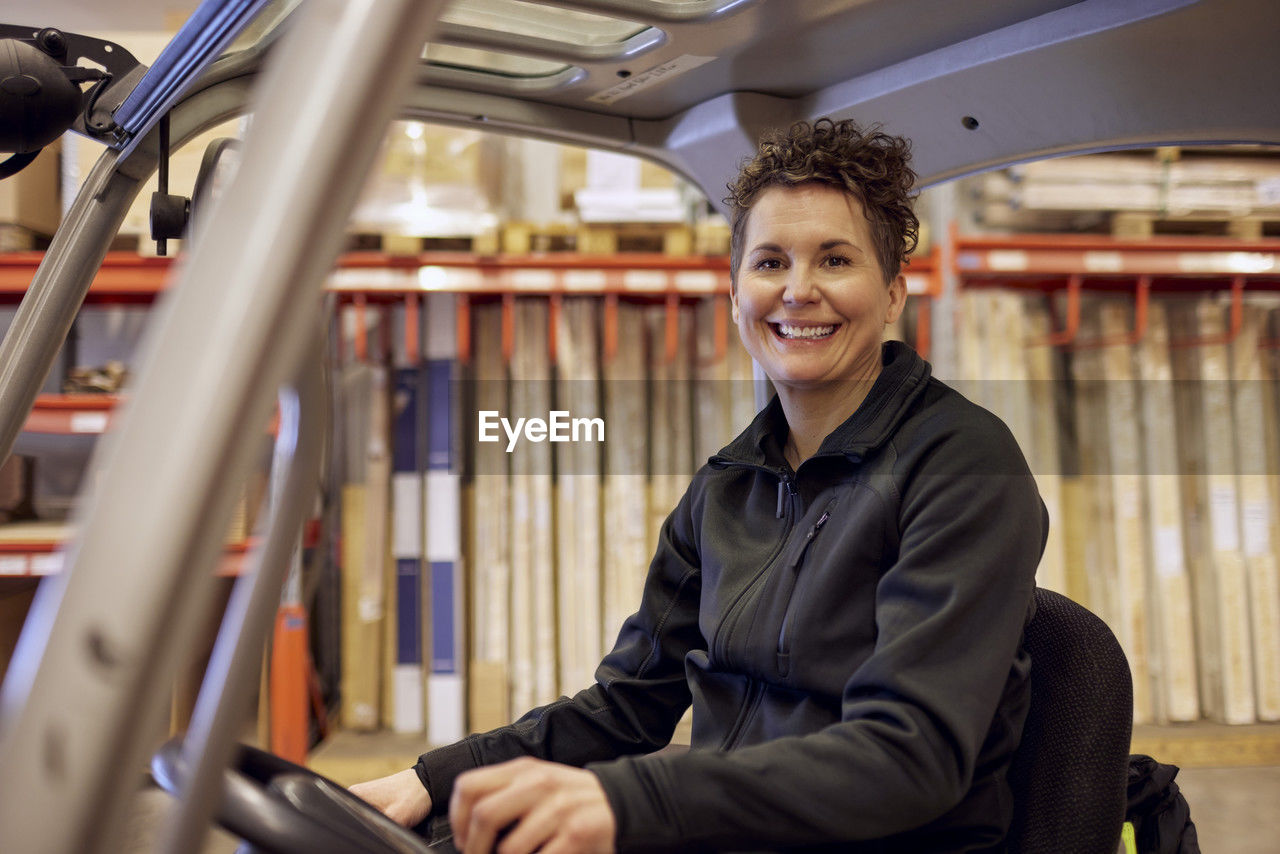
[290, 696]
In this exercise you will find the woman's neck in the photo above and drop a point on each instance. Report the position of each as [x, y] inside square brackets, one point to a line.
[814, 411]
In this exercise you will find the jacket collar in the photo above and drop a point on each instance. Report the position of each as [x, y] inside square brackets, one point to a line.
[903, 376]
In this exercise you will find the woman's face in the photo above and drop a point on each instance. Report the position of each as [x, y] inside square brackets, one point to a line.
[810, 300]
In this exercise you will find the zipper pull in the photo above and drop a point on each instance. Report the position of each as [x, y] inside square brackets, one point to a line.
[822, 520]
[786, 488]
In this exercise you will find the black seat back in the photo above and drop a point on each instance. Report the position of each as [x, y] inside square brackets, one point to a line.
[1069, 772]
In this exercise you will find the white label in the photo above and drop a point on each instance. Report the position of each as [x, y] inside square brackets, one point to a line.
[644, 280]
[441, 496]
[13, 564]
[1226, 262]
[369, 608]
[1007, 259]
[1256, 522]
[650, 77]
[584, 280]
[1103, 262]
[89, 422]
[696, 281]
[533, 280]
[1169, 558]
[49, 563]
[406, 680]
[406, 515]
[1222, 515]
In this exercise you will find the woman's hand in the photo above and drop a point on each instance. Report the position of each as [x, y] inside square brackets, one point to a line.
[537, 805]
[401, 796]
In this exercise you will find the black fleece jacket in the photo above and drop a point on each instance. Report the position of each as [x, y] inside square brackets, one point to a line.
[849, 635]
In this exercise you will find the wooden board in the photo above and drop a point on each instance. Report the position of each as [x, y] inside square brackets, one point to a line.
[743, 383]
[971, 359]
[533, 592]
[1006, 365]
[1099, 552]
[1210, 505]
[626, 549]
[578, 499]
[490, 551]
[364, 543]
[361, 630]
[1043, 379]
[1173, 646]
[713, 395]
[1129, 524]
[1250, 380]
[1230, 575]
[378, 577]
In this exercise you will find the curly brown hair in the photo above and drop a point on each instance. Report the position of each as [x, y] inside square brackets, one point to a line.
[869, 164]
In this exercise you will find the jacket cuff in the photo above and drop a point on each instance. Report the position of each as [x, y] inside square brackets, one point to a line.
[438, 769]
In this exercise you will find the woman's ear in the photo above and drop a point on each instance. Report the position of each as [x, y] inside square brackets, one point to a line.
[733, 302]
[897, 299]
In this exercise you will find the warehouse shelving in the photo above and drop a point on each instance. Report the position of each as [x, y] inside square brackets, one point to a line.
[35, 549]
[374, 280]
[1053, 262]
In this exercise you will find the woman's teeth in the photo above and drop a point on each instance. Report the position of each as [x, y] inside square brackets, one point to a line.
[786, 330]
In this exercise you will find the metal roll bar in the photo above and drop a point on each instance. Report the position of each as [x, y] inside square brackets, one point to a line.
[84, 700]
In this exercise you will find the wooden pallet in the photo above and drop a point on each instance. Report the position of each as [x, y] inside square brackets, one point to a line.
[522, 238]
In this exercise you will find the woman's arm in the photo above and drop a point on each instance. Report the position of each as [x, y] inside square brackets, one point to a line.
[638, 698]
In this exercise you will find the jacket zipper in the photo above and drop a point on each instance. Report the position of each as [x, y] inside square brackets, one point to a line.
[786, 487]
[786, 490]
[755, 691]
[794, 568]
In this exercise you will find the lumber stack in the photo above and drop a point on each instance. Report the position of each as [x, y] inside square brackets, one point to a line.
[1163, 478]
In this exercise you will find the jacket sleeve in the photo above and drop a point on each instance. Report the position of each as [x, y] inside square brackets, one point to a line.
[640, 690]
[950, 612]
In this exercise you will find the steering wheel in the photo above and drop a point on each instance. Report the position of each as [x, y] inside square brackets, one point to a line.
[278, 806]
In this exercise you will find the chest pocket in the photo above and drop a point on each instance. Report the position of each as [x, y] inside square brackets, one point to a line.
[820, 610]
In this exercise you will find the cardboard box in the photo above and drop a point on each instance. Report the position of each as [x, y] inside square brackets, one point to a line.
[32, 199]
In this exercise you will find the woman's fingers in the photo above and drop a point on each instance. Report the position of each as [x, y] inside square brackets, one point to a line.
[485, 801]
[574, 817]
[529, 805]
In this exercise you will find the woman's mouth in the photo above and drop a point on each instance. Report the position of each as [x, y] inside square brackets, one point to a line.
[802, 332]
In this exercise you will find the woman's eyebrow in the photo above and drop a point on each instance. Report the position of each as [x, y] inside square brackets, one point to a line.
[832, 244]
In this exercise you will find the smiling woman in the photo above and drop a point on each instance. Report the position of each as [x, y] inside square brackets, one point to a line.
[815, 637]
[811, 303]
[822, 223]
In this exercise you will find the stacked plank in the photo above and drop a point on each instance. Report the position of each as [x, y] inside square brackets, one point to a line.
[490, 542]
[1173, 644]
[365, 543]
[533, 593]
[1004, 366]
[1168, 486]
[561, 533]
[578, 497]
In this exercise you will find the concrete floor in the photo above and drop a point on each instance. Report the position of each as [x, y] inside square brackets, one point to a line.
[1235, 810]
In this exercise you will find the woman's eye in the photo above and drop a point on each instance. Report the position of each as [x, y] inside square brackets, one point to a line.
[768, 264]
[836, 261]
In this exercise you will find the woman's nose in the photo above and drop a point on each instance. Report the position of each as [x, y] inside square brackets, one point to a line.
[799, 287]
